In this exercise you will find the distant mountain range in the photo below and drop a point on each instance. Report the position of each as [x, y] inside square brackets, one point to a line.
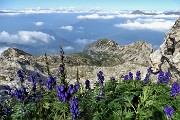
[153, 13]
[92, 10]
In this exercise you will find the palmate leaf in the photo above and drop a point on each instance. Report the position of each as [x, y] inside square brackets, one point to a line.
[145, 95]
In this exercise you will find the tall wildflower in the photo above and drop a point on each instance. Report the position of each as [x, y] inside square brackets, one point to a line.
[175, 89]
[138, 75]
[168, 111]
[130, 76]
[20, 75]
[100, 81]
[74, 108]
[163, 77]
[87, 84]
[51, 82]
[147, 77]
[126, 77]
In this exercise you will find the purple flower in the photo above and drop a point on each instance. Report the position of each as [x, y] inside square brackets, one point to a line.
[146, 79]
[112, 79]
[163, 77]
[100, 77]
[76, 87]
[62, 95]
[61, 69]
[6, 110]
[87, 83]
[175, 89]
[8, 89]
[126, 77]
[51, 82]
[19, 94]
[74, 108]
[20, 75]
[138, 75]
[130, 76]
[70, 89]
[168, 111]
[149, 70]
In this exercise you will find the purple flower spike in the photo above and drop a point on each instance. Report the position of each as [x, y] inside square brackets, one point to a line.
[175, 89]
[168, 111]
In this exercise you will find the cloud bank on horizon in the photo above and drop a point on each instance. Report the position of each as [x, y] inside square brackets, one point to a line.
[160, 25]
[26, 37]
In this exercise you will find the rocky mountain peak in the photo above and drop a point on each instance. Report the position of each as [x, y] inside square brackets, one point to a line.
[106, 42]
[14, 53]
[102, 45]
[109, 53]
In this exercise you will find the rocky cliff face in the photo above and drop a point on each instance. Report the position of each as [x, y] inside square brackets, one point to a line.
[167, 57]
[109, 53]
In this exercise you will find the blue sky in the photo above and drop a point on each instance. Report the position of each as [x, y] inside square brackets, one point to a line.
[87, 4]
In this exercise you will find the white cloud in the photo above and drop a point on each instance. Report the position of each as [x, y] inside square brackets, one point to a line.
[3, 49]
[166, 16]
[68, 28]
[152, 24]
[81, 28]
[68, 48]
[26, 37]
[81, 41]
[39, 23]
[112, 16]
[95, 16]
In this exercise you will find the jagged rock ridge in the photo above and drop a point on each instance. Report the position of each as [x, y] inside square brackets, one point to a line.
[109, 53]
[167, 57]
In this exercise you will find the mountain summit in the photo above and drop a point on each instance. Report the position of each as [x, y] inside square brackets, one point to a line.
[109, 53]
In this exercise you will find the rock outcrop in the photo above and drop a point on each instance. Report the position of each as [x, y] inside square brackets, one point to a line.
[167, 57]
[14, 59]
[109, 53]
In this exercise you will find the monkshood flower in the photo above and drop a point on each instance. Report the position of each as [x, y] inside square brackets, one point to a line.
[20, 75]
[163, 77]
[126, 77]
[61, 69]
[168, 111]
[6, 110]
[70, 89]
[76, 86]
[100, 81]
[62, 93]
[8, 89]
[87, 83]
[74, 108]
[112, 79]
[40, 81]
[138, 75]
[51, 82]
[146, 79]
[149, 70]
[101, 94]
[130, 76]
[175, 89]
[18, 93]
[100, 77]
[33, 80]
